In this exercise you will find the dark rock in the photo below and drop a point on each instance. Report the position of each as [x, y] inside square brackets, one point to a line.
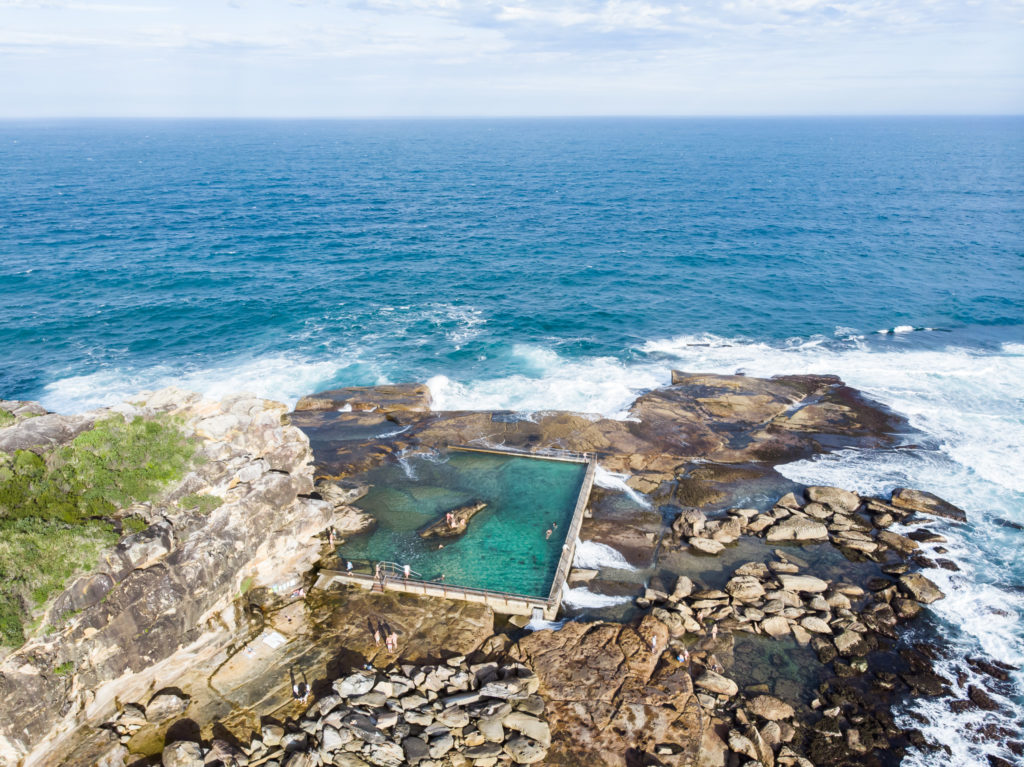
[926, 503]
[981, 699]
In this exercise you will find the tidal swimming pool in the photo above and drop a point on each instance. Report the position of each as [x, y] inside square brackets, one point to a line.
[504, 547]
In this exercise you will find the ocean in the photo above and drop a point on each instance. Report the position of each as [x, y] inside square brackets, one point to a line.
[554, 264]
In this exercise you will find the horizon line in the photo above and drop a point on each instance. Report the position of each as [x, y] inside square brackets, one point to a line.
[285, 118]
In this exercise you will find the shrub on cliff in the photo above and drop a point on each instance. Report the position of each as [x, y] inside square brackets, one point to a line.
[55, 508]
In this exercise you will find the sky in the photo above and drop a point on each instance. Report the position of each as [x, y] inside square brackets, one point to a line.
[436, 58]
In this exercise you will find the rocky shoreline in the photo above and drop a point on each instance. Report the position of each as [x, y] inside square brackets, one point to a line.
[758, 632]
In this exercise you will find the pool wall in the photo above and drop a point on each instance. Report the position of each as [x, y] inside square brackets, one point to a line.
[501, 602]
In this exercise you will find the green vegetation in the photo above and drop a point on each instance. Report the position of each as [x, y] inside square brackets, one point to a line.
[131, 525]
[204, 504]
[64, 668]
[6, 418]
[246, 585]
[55, 509]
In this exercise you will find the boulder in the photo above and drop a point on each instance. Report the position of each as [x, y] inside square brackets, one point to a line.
[416, 750]
[386, 754]
[806, 583]
[440, 745]
[816, 625]
[797, 529]
[899, 542]
[690, 522]
[683, 589]
[920, 588]
[745, 588]
[770, 708]
[926, 503]
[523, 750]
[850, 643]
[530, 726]
[166, 704]
[717, 684]
[182, 753]
[841, 500]
[354, 684]
[706, 545]
[775, 626]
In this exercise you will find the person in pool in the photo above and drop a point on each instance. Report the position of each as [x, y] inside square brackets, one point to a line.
[547, 533]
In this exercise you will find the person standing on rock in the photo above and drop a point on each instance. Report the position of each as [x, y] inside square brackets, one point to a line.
[407, 570]
[714, 631]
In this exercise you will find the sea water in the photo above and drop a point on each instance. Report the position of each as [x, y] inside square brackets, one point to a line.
[554, 264]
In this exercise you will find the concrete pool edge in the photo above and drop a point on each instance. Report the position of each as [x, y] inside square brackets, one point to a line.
[506, 603]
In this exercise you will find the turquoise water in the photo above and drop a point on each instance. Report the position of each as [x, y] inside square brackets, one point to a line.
[504, 547]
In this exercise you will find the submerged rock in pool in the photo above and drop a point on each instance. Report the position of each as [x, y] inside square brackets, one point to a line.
[454, 522]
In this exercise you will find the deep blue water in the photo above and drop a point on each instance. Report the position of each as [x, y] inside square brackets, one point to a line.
[408, 249]
[531, 264]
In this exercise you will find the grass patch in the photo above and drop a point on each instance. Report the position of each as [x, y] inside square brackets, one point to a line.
[55, 509]
[130, 525]
[246, 585]
[64, 668]
[200, 502]
[6, 418]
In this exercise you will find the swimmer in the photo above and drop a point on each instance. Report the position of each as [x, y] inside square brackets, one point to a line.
[547, 533]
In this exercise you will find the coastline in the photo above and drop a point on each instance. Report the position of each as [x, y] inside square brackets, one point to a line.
[709, 444]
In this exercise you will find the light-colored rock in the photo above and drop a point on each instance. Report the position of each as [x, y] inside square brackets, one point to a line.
[815, 624]
[806, 583]
[182, 753]
[683, 589]
[717, 684]
[899, 542]
[775, 626]
[354, 684]
[530, 726]
[525, 750]
[797, 529]
[706, 545]
[745, 588]
[165, 705]
[837, 498]
[769, 707]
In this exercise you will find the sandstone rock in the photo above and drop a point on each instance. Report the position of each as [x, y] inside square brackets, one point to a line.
[166, 704]
[769, 707]
[524, 750]
[775, 626]
[683, 589]
[386, 754]
[920, 588]
[717, 684]
[850, 643]
[706, 545]
[271, 734]
[690, 523]
[806, 583]
[529, 726]
[745, 588]
[741, 744]
[926, 503]
[899, 542]
[182, 753]
[814, 624]
[387, 398]
[788, 501]
[354, 684]
[906, 608]
[491, 728]
[841, 500]
[797, 529]
[440, 745]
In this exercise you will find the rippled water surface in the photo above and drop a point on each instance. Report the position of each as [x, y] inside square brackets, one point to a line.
[553, 264]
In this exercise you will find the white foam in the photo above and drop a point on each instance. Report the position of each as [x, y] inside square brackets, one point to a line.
[279, 377]
[601, 385]
[591, 555]
[612, 481]
[583, 598]
[539, 624]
